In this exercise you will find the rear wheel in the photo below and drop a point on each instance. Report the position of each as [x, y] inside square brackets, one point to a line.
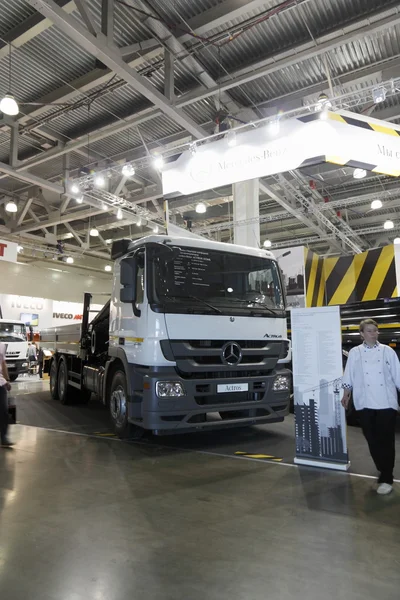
[65, 391]
[53, 380]
[119, 409]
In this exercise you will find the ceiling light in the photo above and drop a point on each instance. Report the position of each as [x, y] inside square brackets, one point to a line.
[396, 241]
[388, 224]
[104, 206]
[231, 138]
[109, 241]
[201, 208]
[68, 236]
[75, 188]
[11, 207]
[359, 173]
[108, 268]
[79, 199]
[99, 181]
[158, 162]
[70, 260]
[193, 148]
[375, 204]
[119, 214]
[128, 170]
[20, 248]
[139, 222]
[323, 103]
[273, 127]
[379, 94]
[267, 244]
[9, 106]
[94, 232]
[155, 229]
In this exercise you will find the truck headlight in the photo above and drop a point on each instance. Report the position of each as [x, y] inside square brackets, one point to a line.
[281, 383]
[169, 389]
[24, 364]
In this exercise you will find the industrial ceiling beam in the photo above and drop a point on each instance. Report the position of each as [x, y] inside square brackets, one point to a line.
[111, 57]
[31, 178]
[55, 218]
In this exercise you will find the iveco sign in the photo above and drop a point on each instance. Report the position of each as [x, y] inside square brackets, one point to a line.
[69, 316]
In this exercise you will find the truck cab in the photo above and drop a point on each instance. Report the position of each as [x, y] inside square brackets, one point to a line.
[13, 335]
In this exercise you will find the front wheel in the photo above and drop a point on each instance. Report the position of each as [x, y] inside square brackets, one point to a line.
[119, 409]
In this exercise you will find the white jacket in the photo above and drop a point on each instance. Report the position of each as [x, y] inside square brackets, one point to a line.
[374, 376]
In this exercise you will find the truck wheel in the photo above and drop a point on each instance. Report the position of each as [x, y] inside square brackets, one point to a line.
[53, 380]
[65, 391]
[119, 409]
[13, 377]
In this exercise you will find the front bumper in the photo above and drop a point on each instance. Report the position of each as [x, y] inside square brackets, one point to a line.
[16, 366]
[203, 408]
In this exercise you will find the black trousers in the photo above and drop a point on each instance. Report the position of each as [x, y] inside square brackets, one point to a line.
[3, 413]
[379, 429]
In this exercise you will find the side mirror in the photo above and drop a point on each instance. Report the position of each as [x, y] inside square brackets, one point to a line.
[128, 275]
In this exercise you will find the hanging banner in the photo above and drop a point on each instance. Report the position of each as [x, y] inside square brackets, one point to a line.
[342, 138]
[317, 374]
[8, 251]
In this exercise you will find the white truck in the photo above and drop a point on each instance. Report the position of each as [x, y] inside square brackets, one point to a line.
[193, 338]
[13, 335]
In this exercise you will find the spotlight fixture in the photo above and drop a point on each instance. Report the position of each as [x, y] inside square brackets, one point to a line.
[20, 249]
[70, 260]
[139, 222]
[396, 241]
[119, 214]
[323, 103]
[79, 199]
[99, 180]
[104, 206]
[267, 244]
[75, 188]
[388, 224]
[128, 170]
[201, 208]
[108, 268]
[379, 94]
[158, 162]
[11, 207]
[68, 236]
[231, 138]
[108, 241]
[9, 106]
[155, 229]
[375, 204]
[359, 173]
[94, 232]
[193, 148]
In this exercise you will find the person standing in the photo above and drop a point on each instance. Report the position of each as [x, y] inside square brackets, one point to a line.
[4, 388]
[372, 374]
[40, 358]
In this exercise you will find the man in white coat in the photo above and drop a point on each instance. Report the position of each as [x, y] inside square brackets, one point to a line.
[373, 375]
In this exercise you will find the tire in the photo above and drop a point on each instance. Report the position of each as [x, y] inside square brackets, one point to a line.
[14, 377]
[118, 404]
[65, 391]
[54, 380]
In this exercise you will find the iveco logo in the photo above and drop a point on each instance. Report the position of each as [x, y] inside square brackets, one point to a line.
[231, 354]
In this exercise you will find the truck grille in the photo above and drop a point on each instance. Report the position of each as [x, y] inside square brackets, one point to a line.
[12, 354]
[207, 358]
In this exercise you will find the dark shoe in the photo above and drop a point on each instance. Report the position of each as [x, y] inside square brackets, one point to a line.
[7, 444]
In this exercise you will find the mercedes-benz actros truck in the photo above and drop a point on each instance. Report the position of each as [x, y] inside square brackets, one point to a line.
[193, 338]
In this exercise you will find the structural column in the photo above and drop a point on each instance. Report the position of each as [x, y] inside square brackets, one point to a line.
[246, 208]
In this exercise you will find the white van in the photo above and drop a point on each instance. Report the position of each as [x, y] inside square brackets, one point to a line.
[13, 335]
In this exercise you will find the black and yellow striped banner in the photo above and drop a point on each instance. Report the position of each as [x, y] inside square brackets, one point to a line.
[340, 280]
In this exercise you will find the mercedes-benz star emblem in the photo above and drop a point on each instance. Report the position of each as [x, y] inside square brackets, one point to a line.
[231, 354]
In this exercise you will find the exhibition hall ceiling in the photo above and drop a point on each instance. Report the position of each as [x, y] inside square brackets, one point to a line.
[103, 85]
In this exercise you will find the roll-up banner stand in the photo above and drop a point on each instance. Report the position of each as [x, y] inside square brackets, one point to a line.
[320, 420]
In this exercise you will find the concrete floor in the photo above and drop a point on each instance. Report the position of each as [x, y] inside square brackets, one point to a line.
[95, 519]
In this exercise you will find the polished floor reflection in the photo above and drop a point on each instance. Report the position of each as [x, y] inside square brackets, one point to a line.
[95, 519]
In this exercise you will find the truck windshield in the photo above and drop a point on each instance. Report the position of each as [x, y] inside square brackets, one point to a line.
[12, 332]
[229, 283]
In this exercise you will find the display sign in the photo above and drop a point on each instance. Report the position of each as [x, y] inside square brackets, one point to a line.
[8, 251]
[320, 421]
[342, 138]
